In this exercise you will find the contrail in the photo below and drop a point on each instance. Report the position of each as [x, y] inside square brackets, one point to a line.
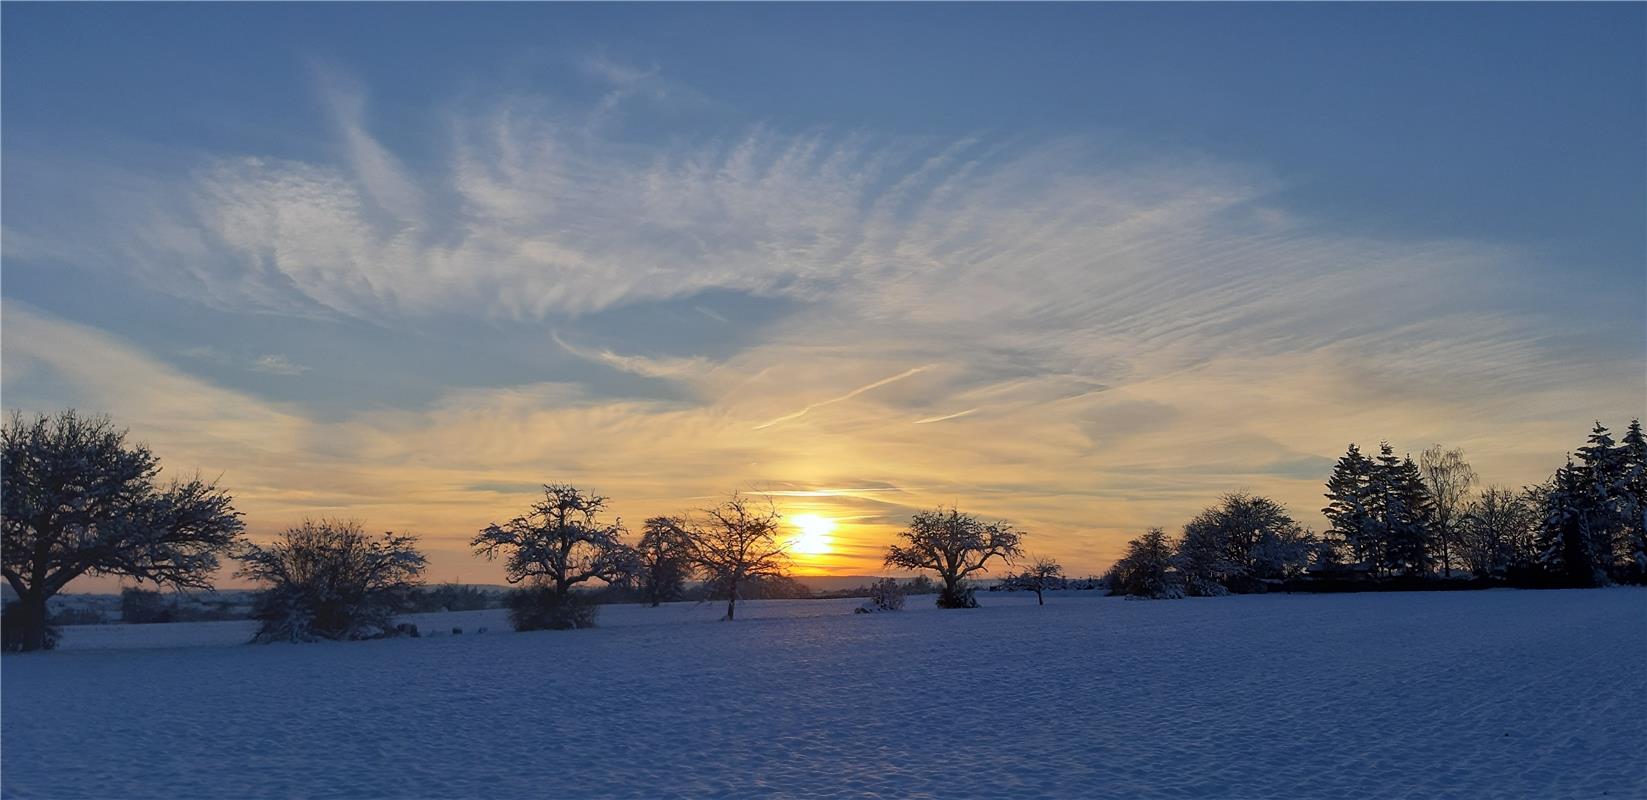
[946, 416]
[848, 396]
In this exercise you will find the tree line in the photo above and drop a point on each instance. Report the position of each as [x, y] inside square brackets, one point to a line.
[1396, 521]
[78, 499]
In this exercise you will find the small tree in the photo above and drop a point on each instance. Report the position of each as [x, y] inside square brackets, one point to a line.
[733, 543]
[561, 542]
[1042, 574]
[79, 500]
[954, 545]
[327, 579]
[664, 560]
[886, 595]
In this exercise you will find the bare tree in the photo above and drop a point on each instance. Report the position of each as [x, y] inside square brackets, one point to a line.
[735, 542]
[78, 500]
[1499, 530]
[561, 542]
[1042, 574]
[327, 579]
[664, 560]
[954, 545]
[1449, 478]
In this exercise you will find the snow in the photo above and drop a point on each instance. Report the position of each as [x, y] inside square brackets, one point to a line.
[1451, 694]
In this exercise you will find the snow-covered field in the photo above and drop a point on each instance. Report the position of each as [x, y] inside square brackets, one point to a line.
[1461, 694]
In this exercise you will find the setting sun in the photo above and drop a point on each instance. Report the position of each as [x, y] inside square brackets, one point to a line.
[814, 538]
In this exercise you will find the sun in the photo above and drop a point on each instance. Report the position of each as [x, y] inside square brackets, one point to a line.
[814, 538]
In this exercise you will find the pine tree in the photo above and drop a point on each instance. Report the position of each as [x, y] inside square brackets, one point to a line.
[1634, 507]
[1384, 505]
[1603, 498]
[1410, 518]
[1566, 540]
[1349, 490]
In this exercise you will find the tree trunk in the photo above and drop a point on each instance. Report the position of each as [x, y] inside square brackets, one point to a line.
[1038, 600]
[32, 608]
[731, 600]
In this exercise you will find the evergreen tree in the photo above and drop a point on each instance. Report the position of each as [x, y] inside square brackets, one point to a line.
[1634, 506]
[1566, 540]
[1411, 519]
[1384, 506]
[1604, 498]
[1349, 490]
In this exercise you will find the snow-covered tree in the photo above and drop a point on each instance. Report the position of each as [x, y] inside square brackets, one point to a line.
[954, 545]
[79, 500]
[885, 594]
[1604, 469]
[1038, 576]
[664, 560]
[1146, 568]
[1449, 479]
[1403, 513]
[1634, 505]
[327, 579]
[735, 543]
[1349, 496]
[560, 542]
[1243, 539]
[1202, 557]
[1567, 539]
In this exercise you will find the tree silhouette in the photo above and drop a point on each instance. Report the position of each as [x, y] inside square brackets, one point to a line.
[78, 500]
[561, 542]
[735, 542]
[954, 545]
[327, 579]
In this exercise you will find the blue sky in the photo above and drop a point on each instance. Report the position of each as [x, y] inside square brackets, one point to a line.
[356, 237]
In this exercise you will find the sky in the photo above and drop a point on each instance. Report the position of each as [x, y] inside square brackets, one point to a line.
[1080, 267]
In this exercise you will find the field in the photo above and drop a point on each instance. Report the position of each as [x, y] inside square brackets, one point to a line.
[1461, 694]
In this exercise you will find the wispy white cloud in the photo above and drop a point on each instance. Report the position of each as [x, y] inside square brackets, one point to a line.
[1143, 333]
[647, 366]
[276, 364]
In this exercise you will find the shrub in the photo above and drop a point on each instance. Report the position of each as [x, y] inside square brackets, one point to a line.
[959, 596]
[78, 616]
[539, 607]
[451, 597]
[329, 580]
[143, 606]
[887, 595]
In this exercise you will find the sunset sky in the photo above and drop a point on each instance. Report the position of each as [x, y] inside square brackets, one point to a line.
[1082, 268]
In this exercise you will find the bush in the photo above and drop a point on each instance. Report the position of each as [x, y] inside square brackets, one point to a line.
[329, 580]
[887, 595]
[144, 606]
[78, 616]
[959, 597]
[540, 608]
[451, 597]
